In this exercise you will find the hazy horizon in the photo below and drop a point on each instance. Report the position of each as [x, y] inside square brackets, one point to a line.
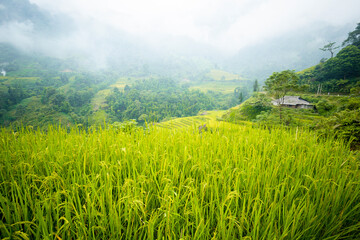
[231, 34]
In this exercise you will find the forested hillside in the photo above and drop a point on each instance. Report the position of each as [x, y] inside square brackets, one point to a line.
[38, 90]
[338, 74]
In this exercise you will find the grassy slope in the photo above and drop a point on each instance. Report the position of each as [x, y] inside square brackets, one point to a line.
[231, 183]
[34, 113]
[219, 80]
[99, 100]
[307, 70]
[208, 117]
[24, 81]
[219, 75]
[220, 86]
[301, 117]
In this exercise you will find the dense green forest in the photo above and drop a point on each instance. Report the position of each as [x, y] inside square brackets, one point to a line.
[39, 90]
[154, 100]
[338, 74]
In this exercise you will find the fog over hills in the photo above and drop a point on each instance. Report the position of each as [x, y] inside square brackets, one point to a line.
[296, 50]
[253, 38]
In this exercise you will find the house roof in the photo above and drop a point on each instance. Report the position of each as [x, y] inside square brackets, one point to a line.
[291, 100]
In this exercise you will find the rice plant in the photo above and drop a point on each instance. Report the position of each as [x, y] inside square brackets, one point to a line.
[231, 182]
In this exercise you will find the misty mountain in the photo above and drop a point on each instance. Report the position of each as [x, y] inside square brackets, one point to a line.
[93, 45]
[21, 15]
[32, 30]
[23, 11]
[295, 51]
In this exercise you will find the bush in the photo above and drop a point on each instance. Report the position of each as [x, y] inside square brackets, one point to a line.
[324, 107]
[353, 104]
[344, 124]
[126, 126]
[256, 105]
[355, 91]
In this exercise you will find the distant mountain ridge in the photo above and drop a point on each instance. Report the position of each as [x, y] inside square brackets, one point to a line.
[30, 28]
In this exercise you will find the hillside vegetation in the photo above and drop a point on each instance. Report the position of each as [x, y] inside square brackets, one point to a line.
[332, 115]
[332, 88]
[40, 90]
[81, 99]
[219, 75]
[205, 117]
[340, 73]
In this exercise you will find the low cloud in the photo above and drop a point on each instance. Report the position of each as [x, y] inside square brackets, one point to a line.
[19, 34]
[140, 31]
[226, 25]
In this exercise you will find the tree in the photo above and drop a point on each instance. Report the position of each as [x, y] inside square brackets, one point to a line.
[143, 117]
[47, 94]
[241, 98]
[57, 99]
[353, 37]
[126, 88]
[330, 47]
[15, 94]
[281, 83]
[256, 86]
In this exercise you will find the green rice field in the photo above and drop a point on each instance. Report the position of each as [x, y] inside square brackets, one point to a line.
[207, 117]
[217, 86]
[230, 182]
[219, 75]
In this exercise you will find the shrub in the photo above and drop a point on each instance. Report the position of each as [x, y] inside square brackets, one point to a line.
[256, 105]
[344, 124]
[324, 107]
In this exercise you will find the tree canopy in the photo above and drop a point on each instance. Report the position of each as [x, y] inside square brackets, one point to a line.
[338, 74]
[353, 37]
[280, 83]
[330, 47]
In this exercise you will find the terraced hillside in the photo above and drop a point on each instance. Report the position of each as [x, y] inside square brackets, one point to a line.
[220, 81]
[208, 117]
[219, 75]
[218, 86]
[306, 117]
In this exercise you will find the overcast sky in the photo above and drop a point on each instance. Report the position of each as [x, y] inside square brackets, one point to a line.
[226, 24]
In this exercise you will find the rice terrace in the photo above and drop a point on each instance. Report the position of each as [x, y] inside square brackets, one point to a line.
[231, 183]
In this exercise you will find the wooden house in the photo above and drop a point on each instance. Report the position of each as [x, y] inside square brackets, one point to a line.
[293, 102]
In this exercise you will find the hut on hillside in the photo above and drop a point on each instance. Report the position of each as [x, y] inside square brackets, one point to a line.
[293, 102]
